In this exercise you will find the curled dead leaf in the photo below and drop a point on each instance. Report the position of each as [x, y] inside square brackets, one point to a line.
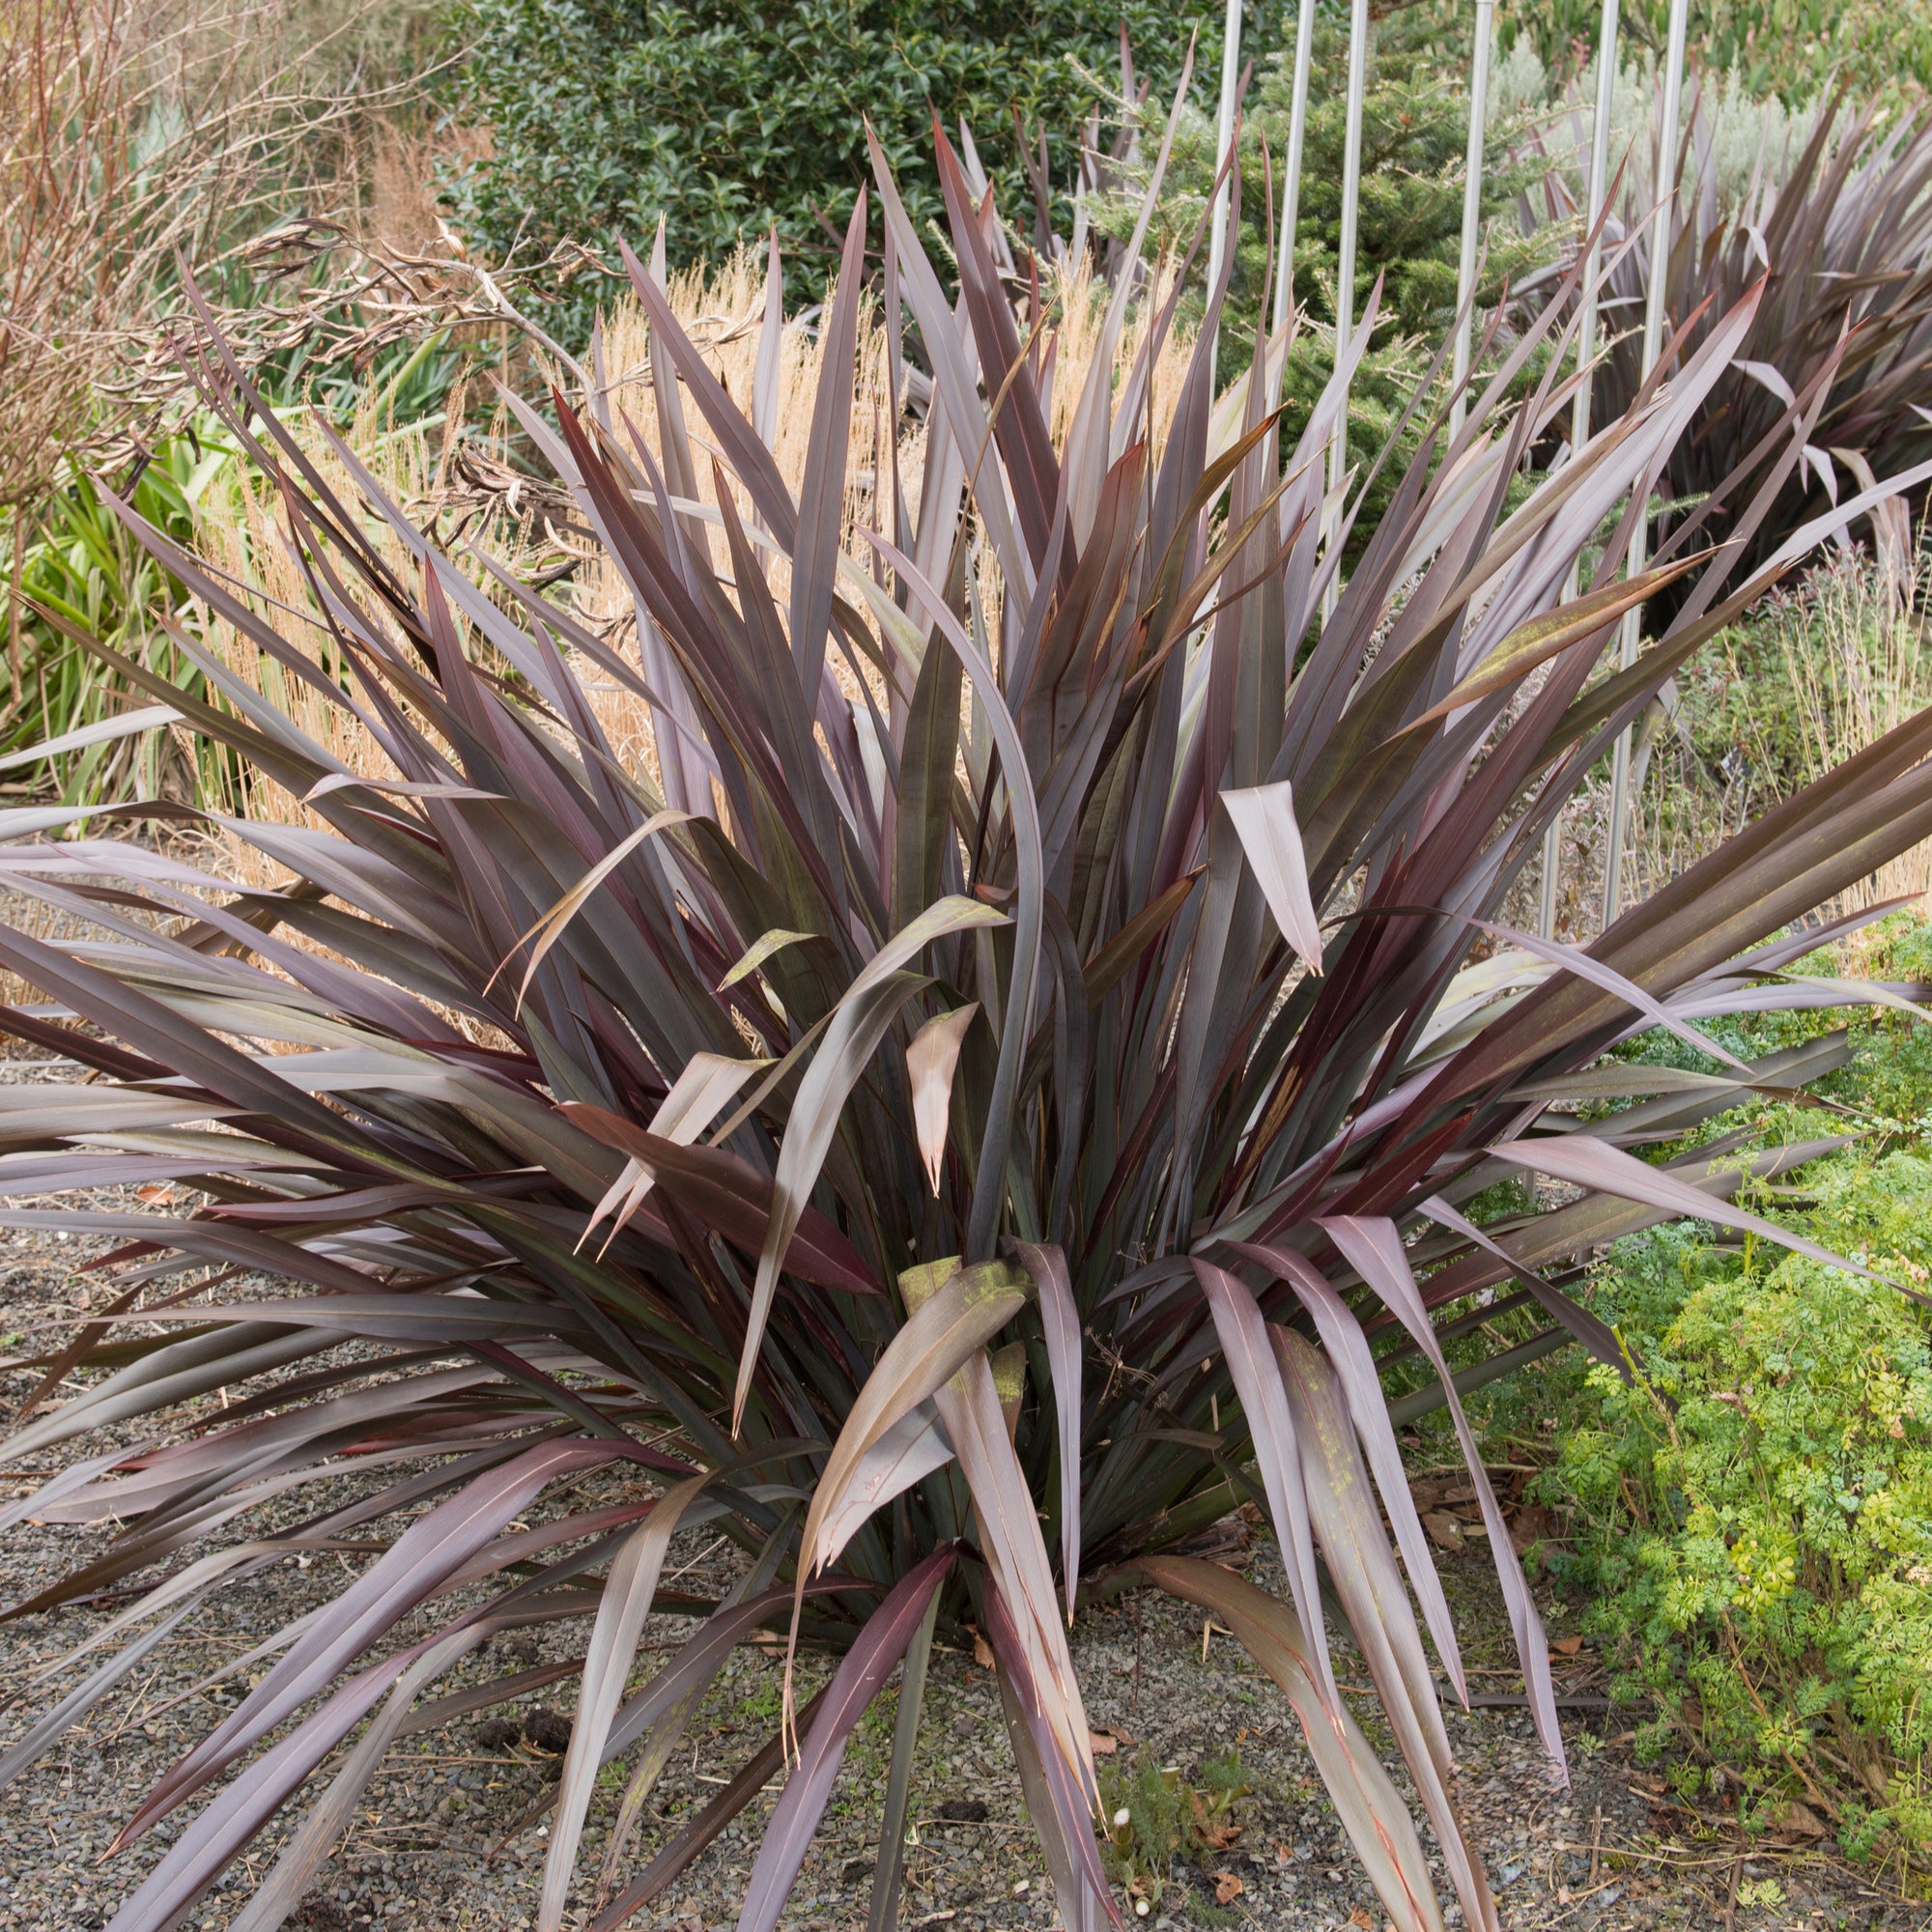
[982, 1652]
[1796, 1820]
[1227, 1888]
[1443, 1530]
[1531, 1525]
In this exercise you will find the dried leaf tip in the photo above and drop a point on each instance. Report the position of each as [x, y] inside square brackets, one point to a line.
[931, 1061]
[1264, 819]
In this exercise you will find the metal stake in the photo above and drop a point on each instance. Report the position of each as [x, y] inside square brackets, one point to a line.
[1657, 296]
[1472, 213]
[1345, 270]
[1224, 141]
[1290, 180]
[1596, 192]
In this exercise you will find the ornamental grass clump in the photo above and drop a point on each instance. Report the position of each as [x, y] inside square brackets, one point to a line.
[964, 1108]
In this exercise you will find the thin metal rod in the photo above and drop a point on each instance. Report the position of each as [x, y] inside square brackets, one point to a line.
[1344, 267]
[1655, 302]
[1472, 213]
[1596, 191]
[1290, 180]
[1224, 141]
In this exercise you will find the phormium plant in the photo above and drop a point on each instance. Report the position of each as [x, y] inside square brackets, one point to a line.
[1837, 257]
[1072, 989]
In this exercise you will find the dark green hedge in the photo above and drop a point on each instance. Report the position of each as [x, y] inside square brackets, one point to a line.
[730, 118]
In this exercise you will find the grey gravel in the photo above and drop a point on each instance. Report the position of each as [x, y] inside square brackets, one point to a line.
[431, 1851]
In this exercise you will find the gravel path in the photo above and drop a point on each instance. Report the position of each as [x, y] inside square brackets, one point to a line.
[434, 1847]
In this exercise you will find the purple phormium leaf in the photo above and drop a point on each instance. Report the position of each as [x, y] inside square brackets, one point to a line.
[1594, 1334]
[1373, 1248]
[1066, 1356]
[729, 1194]
[421, 1558]
[210, 1240]
[1072, 1809]
[964, 1312]
[1587, 1163]
[47, 1731]
[863, 1669]
[245, 1804]
[1251, 1365]
[1010, 1538]
[1362, 1568]
[1348, 1354]
[814, 558]
[1371, 1810]
[450, 1319]
[706, 1826]
[621, 1610]
[334, 1811]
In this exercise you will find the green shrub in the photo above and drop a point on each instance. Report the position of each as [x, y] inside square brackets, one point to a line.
[1752, 1515]
[729, 119]
[1793, 48]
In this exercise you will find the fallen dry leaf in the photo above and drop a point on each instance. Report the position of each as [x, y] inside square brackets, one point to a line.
[1443, 1530]
[1102, 1745]
[1530, 1525]
[1796, 1820]
[1227, 1888]
[1361, 1919]
[982, 1652]
[1565, 1646]
[153, 1192]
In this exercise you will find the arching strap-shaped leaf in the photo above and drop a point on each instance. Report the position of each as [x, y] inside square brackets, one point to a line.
[966, 1311]
[1347, 1347]
[245, 1804]
[428, 1551]
[850, 1041]
[1368, 1805]
[1588, 1162]
[732, 1196]
[334, 1811]
[549, 929]
[47, 1730]
[1074, 1898]
[663, 1870]
[1257, 1379]
[1069, 1811]
[1060, 1318]
[821, 497]
[1373, 1248]
[910, 1449]
[864, 1668]
[858, 1022]
[761, 948]
[971, 1409]
[621, 1611]
[695, 1098]
[1361, 1566]
[1594, 1333]
[989, 1183]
